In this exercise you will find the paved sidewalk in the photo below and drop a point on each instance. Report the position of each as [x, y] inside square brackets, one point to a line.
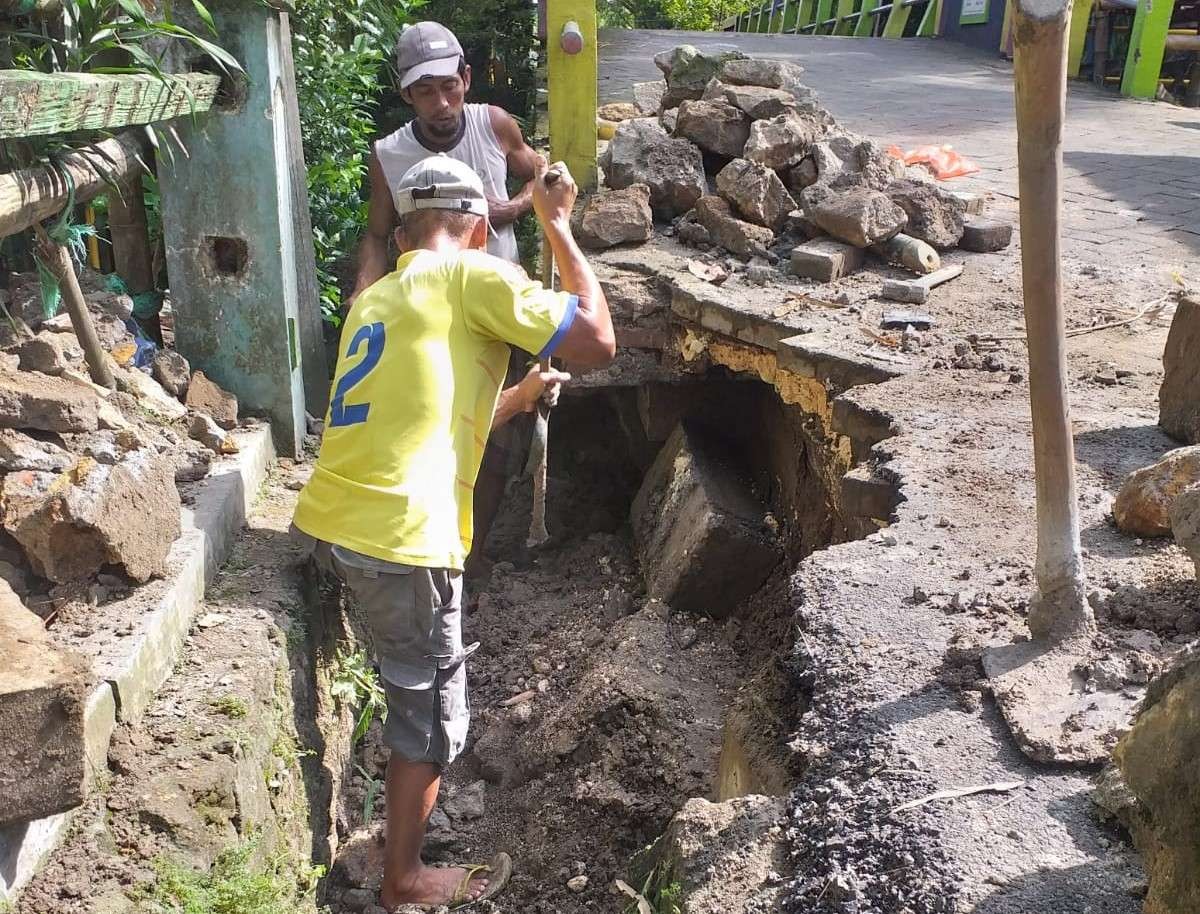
[1132, 191]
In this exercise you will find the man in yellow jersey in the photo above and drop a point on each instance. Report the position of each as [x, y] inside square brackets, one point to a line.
[389, 504]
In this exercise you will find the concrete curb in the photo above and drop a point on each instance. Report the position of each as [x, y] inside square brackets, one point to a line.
[133, 668]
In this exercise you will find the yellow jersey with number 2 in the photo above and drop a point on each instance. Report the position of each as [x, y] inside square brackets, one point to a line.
[424, 352]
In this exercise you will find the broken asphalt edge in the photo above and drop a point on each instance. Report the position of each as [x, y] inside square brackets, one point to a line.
[142, 662]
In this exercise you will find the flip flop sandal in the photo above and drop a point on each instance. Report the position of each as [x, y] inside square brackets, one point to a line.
[498, 871]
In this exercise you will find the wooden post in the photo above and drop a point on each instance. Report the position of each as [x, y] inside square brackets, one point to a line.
[131, 238]
[1147, 42]
[571, 81]
[58, 261]
[1040, 28]
[1081, 14]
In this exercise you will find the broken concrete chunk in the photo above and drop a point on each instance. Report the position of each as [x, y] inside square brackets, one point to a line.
[615, 217]
[36, 401]
[22, 452]
[916, 291]
[717, 852]
[858, 216]
[640, 152]
[1185, 522]
[618, 111]
[669, 119]
[172, 371]
[666, 60]
[741, 238]
[983, 236]
[933, 215]
[118, 304]
[856, 160]
[72, 524]
[782, 141]
[898, 320]
[802, 176]
[972, 204]
[1157, 760]
[756, 192]
[203, 428]
[758, 102]
[702, 536]
[825, 260]
[1178, 400]
[690, 72]
[714, 126]
[648, 96]
[1142, 505]
[43, 690]
[755, 71]
[207, 397]
[49, 353]
[149, 394]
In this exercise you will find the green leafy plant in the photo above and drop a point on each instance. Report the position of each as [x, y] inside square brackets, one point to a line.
[340, 48]
[230, 706]
[374, 785]
[234, 885]
[356, 684]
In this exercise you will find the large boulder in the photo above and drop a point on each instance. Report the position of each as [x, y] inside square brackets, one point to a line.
[857, 215]
[716, 127]
[701, 534]
[782, 141]
[29, 400]
[640, 152]
[688, 72]
[756, 192]
[934, 216]
[745, 239]
[1179, 396]
[72, 524]
[1143, 504]
[615, 217]
[43, 690]
[1185, 522]
[1160, 805]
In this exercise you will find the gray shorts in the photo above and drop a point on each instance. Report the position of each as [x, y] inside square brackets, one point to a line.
[415, 620]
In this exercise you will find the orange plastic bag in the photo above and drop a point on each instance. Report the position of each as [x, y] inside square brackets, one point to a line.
[942, 161]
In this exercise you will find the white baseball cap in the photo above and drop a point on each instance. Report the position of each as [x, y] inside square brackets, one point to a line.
[440, 182]
[427, 49]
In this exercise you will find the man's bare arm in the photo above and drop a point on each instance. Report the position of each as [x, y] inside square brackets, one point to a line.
[589, 342]
[381, 218]
[522, 163]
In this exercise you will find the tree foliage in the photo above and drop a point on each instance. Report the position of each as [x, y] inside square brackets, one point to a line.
[341, 49]
[693, 15]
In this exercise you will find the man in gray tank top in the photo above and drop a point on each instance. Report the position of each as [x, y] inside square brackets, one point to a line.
[434, 80]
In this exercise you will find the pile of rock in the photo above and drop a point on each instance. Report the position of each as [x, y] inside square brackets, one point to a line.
[89, 497]
[738, 154]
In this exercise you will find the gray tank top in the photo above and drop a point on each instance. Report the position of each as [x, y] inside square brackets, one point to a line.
[478, 148]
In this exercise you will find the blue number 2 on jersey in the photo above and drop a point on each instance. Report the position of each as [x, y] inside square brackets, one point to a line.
[339, 412]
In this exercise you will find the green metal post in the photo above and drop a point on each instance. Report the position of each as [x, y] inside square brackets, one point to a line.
[1143, 65]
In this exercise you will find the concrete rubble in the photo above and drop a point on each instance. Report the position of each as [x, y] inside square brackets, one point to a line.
[705, 540]
[89, 477]
[741, 158]
[617, 217]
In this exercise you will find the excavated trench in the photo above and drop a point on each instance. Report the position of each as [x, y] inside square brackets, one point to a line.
[598, 712]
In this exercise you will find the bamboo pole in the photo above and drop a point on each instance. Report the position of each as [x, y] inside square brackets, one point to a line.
[1041, 28]
[58, 261]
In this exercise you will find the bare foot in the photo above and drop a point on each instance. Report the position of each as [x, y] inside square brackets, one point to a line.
[433, 885]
